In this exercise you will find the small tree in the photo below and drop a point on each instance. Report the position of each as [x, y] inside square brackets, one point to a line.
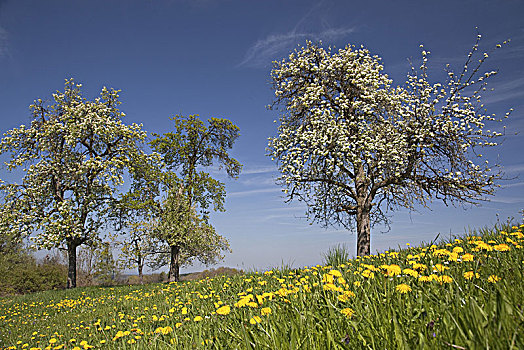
[105, 265]
[192, 145]
[187, 236]
[352, 147]
[74, 154]
[139, 247]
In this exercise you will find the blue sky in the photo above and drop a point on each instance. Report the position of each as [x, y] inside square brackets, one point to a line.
[213, 58]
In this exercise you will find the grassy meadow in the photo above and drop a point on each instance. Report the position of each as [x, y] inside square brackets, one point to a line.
[460, 294]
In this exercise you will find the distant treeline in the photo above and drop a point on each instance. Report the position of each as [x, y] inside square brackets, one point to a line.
[22, 273]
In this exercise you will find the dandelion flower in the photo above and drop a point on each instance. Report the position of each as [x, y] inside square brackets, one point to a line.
[468, 275]
[467, 257]
[368, 274]
[197, 319]
[440, 268]
[335, 273]
[348, 312]
[403, 288]
[493, 279]
[425, 278]
[224, 310]
[410, 272]
[265, 311]
[255, 320]
[502, 247]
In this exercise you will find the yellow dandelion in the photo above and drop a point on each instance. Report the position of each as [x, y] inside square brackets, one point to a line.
[328, 279]
[467, 257]
[392, 270]
[346, 296]
[493, 279]
[332, 287]
[458, 250]
[410, 272]
[265, 311]
[255, 320]
[468, 275]
[335, 273]
[419, 267]
[444, 279]
[197, 319]
[348, 312]
[502, 247]
[403, 288]
[368, 274]
[440, 268]
[425, 278]
[224, 310]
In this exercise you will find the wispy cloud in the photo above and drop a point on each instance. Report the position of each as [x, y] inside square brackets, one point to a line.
[513, 169]
[517, 184]
[258, 170]
[507, 200]
[264, 51]
[252, 192]
[505, 91]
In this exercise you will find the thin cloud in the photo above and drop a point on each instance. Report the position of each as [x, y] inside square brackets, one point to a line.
[506, 200]
[252, 192]
[263, 52]
[513, 169]
[258, 170]
[517, 184]
[506, 91]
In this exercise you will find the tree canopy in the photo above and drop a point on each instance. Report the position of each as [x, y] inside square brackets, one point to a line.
[73, 156]
[173, 190]
[352, 146]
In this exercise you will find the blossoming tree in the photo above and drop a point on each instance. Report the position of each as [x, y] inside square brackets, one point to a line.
[186, 235]
[352, 147]
[174, 194]
[73, 155]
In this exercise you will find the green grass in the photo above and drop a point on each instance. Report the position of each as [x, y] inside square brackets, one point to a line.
[357, 304]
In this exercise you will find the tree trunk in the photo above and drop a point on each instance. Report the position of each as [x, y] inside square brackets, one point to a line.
[363, 211]
[140, 268]
[174, 266]
[71, 273]
[363, 231]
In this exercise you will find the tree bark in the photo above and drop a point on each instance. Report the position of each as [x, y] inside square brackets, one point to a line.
[71, 273]
[363, 231]
[363, 212]
[174, 266]
[140, 268]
